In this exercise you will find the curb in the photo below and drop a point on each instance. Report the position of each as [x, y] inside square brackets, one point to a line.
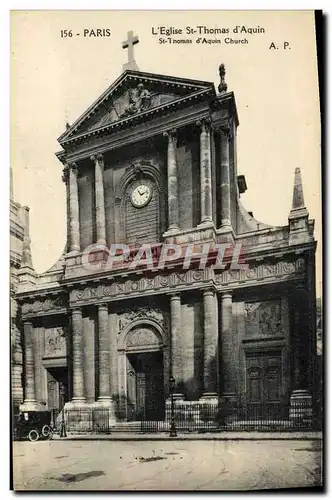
[144, 437]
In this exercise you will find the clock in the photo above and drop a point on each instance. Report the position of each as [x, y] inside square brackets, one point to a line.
[141, 195]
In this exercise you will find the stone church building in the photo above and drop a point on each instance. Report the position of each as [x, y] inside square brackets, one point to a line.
[153, 161]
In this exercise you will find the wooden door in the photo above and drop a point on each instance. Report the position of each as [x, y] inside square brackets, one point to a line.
[52, 392]
[141, 395]
[264, 384]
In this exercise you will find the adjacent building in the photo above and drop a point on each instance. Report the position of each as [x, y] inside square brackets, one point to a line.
[19, 255]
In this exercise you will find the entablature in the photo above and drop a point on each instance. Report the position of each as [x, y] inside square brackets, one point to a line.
[139, 132]
[138, 285]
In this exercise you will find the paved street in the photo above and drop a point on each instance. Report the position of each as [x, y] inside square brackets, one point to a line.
[165, 465]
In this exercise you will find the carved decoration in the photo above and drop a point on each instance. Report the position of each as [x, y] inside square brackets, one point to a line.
[98, 158]
[251, 273]
[55, 342]
[43, 306]
[204, 124]
[288, 267]
[73, 167]
[65, 174]
[143, 313]
[171, 134]
[222, 87]
[142, 336]
[269, 270]
[226, 129]
[137, 285]
[263, 318]
[139, 100]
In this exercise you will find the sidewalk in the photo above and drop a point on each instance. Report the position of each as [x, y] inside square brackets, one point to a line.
[193, 436]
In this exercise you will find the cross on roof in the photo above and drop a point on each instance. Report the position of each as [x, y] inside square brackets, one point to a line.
[129, 44]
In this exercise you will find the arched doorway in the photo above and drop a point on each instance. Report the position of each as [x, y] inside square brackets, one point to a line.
[144, 373]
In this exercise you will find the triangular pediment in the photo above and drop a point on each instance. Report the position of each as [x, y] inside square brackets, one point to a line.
[133, 93]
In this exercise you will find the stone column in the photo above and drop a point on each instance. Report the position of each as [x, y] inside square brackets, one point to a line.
[176, 345]
[225, 177]
[30, 402]
[210, 344]
[228, 361]
[205, 172]
[104, 355]
[99, 197]
[74, 222]
[78, 368]
[172, 182]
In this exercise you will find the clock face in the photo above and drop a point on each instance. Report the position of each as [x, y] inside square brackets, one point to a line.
[141, 195]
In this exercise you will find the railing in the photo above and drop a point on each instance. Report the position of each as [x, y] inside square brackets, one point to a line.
[197, 417]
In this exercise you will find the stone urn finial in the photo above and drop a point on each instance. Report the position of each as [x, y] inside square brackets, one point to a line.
[222, 87]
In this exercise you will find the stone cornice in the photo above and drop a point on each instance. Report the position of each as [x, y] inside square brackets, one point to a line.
[44, 307]
[54, 290]
[76, 273]
[226, 101]
[16, 230]
[132, 135]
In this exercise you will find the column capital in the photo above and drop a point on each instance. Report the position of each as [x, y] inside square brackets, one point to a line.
[65, 173]
[27, 323]
[174, 295]
[208, 292]
[98, 158]
[103, 306]
[205, 124]
[226, 129]
[171, 134]
[73, 167]
[225, 295]
[77, 310]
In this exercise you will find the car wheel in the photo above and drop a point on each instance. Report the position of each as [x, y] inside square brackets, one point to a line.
[33, 435]
[46, 431]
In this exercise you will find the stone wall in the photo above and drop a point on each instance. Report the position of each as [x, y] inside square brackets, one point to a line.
[188, 183]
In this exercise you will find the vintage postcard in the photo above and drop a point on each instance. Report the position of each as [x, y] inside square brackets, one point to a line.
[166, 250]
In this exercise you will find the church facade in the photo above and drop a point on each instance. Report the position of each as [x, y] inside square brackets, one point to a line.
[152, 162]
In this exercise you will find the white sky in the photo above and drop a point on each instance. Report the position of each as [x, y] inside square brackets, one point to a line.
[55, 79]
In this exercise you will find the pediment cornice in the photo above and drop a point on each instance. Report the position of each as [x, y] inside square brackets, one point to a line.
[135, 105]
